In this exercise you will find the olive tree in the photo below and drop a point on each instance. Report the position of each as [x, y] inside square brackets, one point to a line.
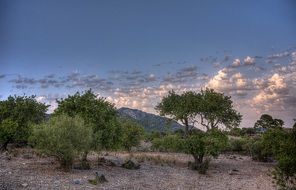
[17, 113]
[63, 137]
[208, 109]
[97, 112]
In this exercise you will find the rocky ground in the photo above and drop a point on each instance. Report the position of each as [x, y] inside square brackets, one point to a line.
[23, 169]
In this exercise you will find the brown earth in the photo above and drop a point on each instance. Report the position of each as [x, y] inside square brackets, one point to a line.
[25, 170]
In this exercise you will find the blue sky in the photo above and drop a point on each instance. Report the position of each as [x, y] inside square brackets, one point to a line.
[133, 52]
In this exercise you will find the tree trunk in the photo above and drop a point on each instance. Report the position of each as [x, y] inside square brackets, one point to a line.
[4, 146]
[84, 163]
[186, 128]
[198, 160]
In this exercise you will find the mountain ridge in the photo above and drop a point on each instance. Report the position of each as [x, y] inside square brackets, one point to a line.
[149, 121]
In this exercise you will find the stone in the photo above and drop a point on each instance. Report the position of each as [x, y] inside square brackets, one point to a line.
[77, 181]
[99, 178]
[25, 185]
[131, 165]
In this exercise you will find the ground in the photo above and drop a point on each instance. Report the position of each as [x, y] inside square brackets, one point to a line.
[23, 169]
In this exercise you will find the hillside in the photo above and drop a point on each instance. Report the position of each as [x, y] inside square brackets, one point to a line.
[150, 122]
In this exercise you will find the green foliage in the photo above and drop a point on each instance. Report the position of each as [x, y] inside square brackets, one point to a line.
[238, 144]
[98, 113]
[63, 137]
[16, 115]
[132, 133]
[281, 144]
[198, 144]
[258, 152]
[208, 108]
[266, 122]
[169, 143]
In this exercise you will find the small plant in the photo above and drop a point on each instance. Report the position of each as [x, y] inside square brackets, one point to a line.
[63, 137]
[99, 178]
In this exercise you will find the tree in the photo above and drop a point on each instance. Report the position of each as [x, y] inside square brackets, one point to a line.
[266, 122]
[132, 133]
[207, 108]
[17, 113]
[98, 113]
[61, 137]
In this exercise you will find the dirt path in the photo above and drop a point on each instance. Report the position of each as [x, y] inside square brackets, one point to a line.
[226, 172]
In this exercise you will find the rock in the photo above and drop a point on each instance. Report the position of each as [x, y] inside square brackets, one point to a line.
[131, 165]
[233, 172]
[24, 185]
[77, 181]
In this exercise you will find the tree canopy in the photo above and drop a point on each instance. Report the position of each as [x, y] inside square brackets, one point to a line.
[97, 112]
[61, 137]
[266, 122]
[208, 109]
[17, 113]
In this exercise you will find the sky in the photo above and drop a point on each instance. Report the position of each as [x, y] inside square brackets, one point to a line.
[134, 51]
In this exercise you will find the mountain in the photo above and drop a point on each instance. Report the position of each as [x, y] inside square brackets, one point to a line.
[149, 121]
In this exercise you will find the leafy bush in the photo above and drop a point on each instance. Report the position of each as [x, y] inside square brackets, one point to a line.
[238, 144]
[132, 133]
[282, 145]
[63, 137]
[258, 152]
[169, 143]
[199, 144]
[16, 115]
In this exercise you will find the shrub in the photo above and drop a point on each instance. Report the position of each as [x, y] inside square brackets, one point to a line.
[258, 152]
[63, 137]
[199, 144]
[238, 144]
[282, 144]
[169, 143]
[132, 134]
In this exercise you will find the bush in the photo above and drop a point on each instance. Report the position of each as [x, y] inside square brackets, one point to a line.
[169, 143]
[238, 144]
[258, 152]
[282, 145]
[199, 144]
[63, 137]
[132, 134]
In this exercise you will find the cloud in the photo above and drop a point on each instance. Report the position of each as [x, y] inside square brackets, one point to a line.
[249, 61]
[73, 80]
[184, 75]
[236, 63]
[2, 76]
[135, 79]
[230, 82]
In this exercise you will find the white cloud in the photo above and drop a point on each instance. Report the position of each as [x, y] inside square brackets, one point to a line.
[236, 63]
[249, 60]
